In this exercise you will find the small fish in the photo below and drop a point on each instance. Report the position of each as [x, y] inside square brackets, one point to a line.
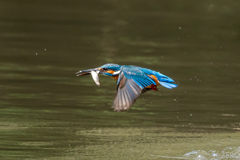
[95, 77]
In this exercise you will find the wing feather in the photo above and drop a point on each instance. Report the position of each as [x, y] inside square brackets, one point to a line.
[132, 81]
[124, 98]
[127, 93]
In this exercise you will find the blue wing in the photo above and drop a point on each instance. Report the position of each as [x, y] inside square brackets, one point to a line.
[131, 82]
[137, 75]
[165, 81]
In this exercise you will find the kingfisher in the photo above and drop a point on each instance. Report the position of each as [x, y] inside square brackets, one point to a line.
[131, 82]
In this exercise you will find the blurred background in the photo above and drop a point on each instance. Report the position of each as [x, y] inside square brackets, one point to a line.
[46, 112]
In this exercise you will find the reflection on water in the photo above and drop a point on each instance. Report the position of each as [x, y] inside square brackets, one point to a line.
[48, 113]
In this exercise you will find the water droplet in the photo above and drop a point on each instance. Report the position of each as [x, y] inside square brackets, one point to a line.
[179, 27]
[45, 49]
[190, 114]
[36, 54]
[214, 154]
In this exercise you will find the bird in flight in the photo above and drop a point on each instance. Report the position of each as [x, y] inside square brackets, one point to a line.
[131, 82]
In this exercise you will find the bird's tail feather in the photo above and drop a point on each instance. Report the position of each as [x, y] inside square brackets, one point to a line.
[168, 85]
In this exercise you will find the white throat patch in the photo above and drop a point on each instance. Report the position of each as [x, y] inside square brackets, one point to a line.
[116, 73]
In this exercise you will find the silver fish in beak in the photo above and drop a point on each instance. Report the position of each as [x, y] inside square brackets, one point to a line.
[95, 77]
[94, 72]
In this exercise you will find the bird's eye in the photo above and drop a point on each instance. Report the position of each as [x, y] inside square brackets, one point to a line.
[105, 69]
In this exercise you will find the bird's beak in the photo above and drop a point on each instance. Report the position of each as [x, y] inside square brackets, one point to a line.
[86, 72]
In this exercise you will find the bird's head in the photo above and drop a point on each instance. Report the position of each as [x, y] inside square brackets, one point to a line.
[106, 69]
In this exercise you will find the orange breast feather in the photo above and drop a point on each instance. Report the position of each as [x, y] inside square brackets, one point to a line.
[115, 77]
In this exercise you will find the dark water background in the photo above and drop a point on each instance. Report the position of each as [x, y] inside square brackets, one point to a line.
[46, 112]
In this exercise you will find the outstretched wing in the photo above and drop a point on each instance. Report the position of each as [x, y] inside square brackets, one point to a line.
[131, 82]
[164, 80]
[127, 93]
